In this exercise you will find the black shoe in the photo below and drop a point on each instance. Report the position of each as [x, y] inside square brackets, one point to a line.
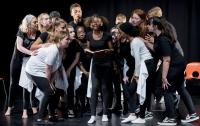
[53, 119]
[71, 114]
[190, 118]
[168, 122]
[79, 115]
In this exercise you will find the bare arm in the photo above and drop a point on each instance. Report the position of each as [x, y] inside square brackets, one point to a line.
[166, 63]
[76, 60]
[48, 72]
[50, 76]
[149, 41]
[83, 69]
[37, 44]
[21, 48]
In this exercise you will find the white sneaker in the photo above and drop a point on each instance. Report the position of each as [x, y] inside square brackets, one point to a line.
[92, 120]
[138, 121]
[129, 119]
[190, 118]
[104, 118]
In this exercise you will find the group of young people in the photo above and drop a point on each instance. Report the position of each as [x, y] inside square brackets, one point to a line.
[67, 65]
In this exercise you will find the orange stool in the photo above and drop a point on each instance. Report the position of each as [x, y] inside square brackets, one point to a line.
[192, 71]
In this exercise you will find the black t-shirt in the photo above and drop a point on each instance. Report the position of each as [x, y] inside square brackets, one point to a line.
[164, 47]
[75, 25]
[85, 58]
[96, 45]
[125, 52]
[44, 36]
[27, 42]
[117, 57]
[71, 51]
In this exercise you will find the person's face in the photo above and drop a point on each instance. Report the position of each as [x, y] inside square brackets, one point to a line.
[46, 22]
[122, 34]
[34, 24]
[76, 13]
[96, 23]
[80, 33]
[71, 33]
[115, 34]
[61, 27]
[64, 43]
[135, 19]
[150, 27]
[120, 20]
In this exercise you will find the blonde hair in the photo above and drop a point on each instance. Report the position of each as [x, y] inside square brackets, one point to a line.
[154, 12]
[56, 37]
[121, 16]
[26, 22]
[59, 21]
[40, 25]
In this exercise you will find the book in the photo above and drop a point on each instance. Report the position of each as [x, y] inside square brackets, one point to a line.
[99, 51]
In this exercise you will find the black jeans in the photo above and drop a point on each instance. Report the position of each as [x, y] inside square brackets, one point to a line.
[81, 92]
[131, 96]
[101, 80]
[43, 84]
[151, 67]
[176, 79]
[117, 88]
[70, 89]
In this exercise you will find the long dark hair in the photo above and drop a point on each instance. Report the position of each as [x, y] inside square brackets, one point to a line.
[164, 26]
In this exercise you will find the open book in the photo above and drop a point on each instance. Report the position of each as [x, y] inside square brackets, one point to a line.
[99, 51]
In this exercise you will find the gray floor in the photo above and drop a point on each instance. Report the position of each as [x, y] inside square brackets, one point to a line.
[158, 109]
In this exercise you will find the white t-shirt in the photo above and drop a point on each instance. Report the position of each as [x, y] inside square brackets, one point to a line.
[36, 65]
[140, 52]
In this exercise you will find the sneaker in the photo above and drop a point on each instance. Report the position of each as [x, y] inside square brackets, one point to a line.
[148, 115]
[168, 122]
[190, 118]
[71, 114]
[129, 119]
[104, 118]
[92, 120]
[138, 121]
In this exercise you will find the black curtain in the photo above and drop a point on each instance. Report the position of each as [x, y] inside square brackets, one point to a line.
[183, 14]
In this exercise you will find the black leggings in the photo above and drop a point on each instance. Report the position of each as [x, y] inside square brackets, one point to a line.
[176, 79]
[43, 84]
[15, 70]
[29, 98]
[101, 79]
[151, 67]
